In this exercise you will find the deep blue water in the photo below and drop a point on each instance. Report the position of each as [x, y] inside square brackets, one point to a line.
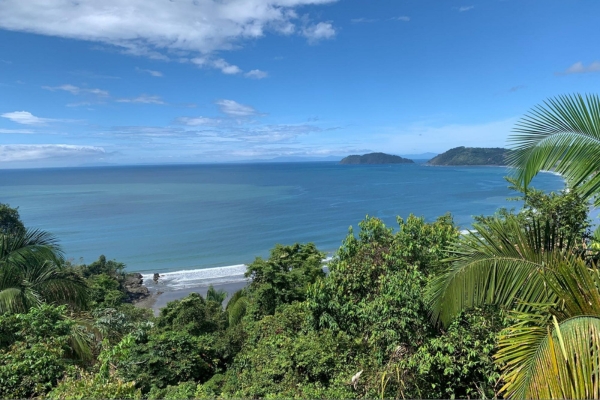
[169, 218]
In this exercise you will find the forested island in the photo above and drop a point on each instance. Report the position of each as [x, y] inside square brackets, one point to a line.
[375, 158]
[471, 156]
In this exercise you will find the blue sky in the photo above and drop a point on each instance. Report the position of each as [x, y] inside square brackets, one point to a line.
[160, 81]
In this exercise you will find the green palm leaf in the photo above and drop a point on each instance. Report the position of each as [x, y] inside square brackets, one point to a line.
[236, 307]
[544, 359]
[500, 263]
[31, 273]
[563, 135]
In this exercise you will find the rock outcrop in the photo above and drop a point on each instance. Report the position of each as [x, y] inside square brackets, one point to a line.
[134, 286]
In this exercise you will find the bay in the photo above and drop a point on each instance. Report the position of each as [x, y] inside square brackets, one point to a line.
[194, 217]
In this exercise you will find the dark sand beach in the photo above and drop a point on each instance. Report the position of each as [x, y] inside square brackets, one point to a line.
[159, 299]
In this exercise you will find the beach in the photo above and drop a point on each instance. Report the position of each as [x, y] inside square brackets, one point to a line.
[159, 299]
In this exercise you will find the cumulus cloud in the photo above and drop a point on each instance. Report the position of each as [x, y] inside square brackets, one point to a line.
[219, 63]
[235, 109]
[256, 74]
[75, 90]
[580, 68]
[25, 118]
[465, 8]
[317, 32]
[31, 152]
[143, 99]
[156, 74]
[155, 28]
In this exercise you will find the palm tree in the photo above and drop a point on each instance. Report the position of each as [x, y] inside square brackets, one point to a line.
[31, 273]
[553, 350]
[501, 262]
[563, 136]
[530, 270]
[218, 296]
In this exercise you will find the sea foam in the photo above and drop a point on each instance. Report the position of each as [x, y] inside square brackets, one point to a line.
[195, 277]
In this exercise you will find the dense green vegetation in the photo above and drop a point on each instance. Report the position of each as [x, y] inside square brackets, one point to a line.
[510, 309]
[375, 158]
[471, 156]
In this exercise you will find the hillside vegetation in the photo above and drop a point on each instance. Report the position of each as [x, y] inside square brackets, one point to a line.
[375, 158]
[471, 156]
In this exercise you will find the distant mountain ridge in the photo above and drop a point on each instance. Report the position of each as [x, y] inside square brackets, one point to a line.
[375, 158]
[471, 156]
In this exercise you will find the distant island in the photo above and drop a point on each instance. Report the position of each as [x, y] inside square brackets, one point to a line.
[471, 156]
[375, 158]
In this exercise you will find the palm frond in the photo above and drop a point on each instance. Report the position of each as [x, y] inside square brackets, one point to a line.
[577, 287]
[500, 263]
[563, 135]
[80, 340]
[11, 300]
[31, 265]
[236, 308]
[545, 359]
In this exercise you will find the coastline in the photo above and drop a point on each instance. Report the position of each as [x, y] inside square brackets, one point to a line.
[159, 299]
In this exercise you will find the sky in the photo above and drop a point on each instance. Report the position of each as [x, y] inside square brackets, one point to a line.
[89, 82]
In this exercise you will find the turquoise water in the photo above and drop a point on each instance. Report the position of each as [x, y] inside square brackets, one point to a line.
[173, 218]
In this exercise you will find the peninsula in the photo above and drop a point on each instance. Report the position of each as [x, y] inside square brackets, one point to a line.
[471, 156]
[375, 158]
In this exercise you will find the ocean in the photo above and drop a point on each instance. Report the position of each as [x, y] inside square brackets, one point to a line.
[195, 224]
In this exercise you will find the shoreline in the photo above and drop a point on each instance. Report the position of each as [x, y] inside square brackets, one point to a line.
[159, 299]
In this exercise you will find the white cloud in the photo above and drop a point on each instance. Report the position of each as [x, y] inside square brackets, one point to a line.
[17, 131]
[31, 152]
[218, 63]
[156, 74]
[256, 74]
[579, 68]
[143, 99]
[402, 18]
[226, 136]
[235, 109]
[153, 28]
[225, 67]
[75, 90]
[25, 118]
[320, 31]
[198, 121]
[465, 8]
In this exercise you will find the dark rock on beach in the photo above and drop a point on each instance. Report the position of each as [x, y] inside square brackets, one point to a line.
[134, 286]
